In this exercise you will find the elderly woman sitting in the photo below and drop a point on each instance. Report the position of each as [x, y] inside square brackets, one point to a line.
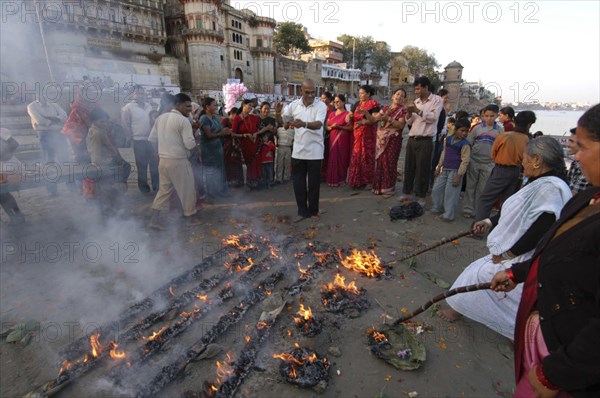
[521, 223]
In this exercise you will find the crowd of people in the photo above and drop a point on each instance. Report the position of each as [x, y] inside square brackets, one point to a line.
[544, 233]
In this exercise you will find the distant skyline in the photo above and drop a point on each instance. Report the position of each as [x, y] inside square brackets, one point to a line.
[522, 50]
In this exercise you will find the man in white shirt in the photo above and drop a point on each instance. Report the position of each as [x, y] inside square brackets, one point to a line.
[423, 116]
[307, 117]
[47, 119]
[173, 133]
[135, 119]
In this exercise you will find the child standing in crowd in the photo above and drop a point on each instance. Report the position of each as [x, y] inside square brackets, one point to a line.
[450, 171]
[450, 126]
[481, 138]
[267, 157]
[506, 117]
[285, 139]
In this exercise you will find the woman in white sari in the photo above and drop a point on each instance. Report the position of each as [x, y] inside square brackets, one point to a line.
[522, 221]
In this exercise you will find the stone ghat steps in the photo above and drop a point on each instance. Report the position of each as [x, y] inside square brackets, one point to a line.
[15, 118]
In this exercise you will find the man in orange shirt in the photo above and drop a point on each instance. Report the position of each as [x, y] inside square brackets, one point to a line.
[507, 154]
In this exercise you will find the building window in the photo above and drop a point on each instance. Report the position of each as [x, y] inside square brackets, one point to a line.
[221, 58]
[214, 25]
[199, 24]
[237, 54]
[259, 43]
[247, 63]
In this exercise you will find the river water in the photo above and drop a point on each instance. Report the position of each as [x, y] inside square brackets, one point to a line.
[556, 122]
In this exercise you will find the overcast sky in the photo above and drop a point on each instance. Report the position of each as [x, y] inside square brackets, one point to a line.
[543, 50]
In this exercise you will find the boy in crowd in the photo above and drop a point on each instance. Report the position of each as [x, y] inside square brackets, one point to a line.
[267, 157]
[507, 153]
[482, 138]
[450, 171]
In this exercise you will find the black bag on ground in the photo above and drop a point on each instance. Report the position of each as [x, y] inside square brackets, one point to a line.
[406, 211]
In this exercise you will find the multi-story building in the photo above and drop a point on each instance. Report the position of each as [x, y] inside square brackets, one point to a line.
[215, 42]
[329, 50]
[121, 40]
[47, 44]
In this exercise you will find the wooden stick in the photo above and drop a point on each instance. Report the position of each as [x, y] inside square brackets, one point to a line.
[434, 246]
[442, 296]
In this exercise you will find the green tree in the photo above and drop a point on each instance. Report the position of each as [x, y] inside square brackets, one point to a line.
[421, 63]
[361, 47]
[381, 56]
[289, 38]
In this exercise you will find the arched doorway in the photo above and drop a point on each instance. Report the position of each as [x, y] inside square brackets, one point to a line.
[239, 75]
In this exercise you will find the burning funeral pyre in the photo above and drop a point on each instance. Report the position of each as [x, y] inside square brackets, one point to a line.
[339, 297]
[363, 262]
[309, 325]
[145, 334]
[303, 367]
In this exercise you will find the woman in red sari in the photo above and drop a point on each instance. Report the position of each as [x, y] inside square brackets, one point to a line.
[339, 126]
[362, 161]
[232, 153]
[245, 129]
[388, 146]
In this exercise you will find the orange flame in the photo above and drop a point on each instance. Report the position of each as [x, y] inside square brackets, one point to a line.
[247, 338]
[378, 337]
[267, 292]
[293, 372]
[66, 365]
[224, 369]
[321, 257]
[304, 313]
[293, 361]
[275, 252]
[303, 272]
[114, 353]
[96, 347]
[156, 334]
[234, 240]
[339, 283]
[261, 325]
[202, 297]
[284, 356]
[366, 263]
[247, 267]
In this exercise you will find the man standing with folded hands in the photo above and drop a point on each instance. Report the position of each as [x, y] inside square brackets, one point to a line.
[307, 117]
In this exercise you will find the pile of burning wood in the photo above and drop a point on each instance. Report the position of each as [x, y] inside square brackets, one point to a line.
[147, 328]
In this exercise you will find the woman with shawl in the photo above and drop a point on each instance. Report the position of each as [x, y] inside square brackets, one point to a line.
[521, 223]
[558, 321]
